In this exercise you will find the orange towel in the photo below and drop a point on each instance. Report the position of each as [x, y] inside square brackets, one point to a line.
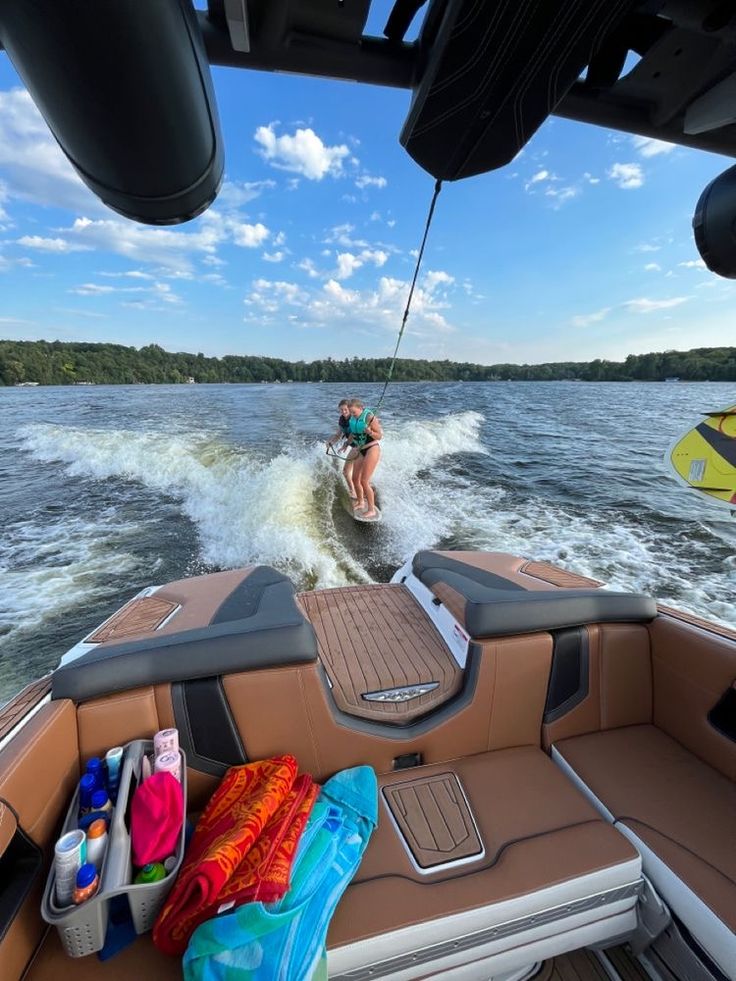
[242, 849]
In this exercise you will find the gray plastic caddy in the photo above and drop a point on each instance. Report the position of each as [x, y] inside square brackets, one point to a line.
[82, 928]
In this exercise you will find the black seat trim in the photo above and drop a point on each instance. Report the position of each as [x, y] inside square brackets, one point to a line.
[275, 634]
[500, 611]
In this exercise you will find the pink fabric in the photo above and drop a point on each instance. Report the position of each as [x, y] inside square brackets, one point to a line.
[156, 816]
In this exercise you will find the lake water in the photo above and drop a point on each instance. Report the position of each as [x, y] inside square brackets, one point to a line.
[105, 490]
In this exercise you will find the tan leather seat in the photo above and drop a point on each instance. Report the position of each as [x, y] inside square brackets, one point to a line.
[552, 877]
[680, 814]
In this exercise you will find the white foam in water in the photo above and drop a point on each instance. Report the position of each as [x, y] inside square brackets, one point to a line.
[279, 511]
[47, 568]
[246, 509]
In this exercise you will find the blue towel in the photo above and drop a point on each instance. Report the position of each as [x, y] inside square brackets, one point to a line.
[285, 941]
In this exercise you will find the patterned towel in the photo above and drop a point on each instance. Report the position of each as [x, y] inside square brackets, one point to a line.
[242, 849]
[285, 941]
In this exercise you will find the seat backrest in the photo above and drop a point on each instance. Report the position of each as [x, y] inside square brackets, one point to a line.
[694, 673]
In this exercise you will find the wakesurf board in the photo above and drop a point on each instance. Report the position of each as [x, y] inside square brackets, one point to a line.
[704, 458]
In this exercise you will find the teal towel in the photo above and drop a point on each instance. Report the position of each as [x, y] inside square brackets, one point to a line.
[285, 941]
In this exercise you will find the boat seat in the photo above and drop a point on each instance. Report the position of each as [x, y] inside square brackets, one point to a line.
[206, 626]
[494, 856]
[489, 605]
[679, 813]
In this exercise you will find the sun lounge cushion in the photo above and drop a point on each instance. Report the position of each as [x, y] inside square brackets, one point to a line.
[680, 813]
[545, 849]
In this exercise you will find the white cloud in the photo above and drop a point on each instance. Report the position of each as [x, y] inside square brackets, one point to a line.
[97, 289]
[590, 179]
[269, 295]
[277, 256]
[31, 160]
[693, 264]
[301, 153]
[157, 291]
[626, 175]
[128, 274]
[435, 278]
[647, 247]
[561, 195]
[341, 235]
[248, 236]
[347, 262]
[15, 322]
[645, 305]
[279, 239]
[649, 147]
[541, 175]
[586, 319]
[335, 305]
[49, 244]
[652, 267]
[307, 266]
[234, 194]
[169, 249]
[365, 180]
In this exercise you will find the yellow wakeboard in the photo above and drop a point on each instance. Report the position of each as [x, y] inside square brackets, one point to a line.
[704, 459]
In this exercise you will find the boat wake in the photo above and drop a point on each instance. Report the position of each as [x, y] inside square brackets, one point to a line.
[250, 507]
[438, 485]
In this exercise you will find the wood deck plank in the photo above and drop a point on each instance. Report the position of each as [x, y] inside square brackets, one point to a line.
[378, 637]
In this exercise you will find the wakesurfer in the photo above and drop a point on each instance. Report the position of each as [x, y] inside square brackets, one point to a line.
[365, 433]
[342, 437]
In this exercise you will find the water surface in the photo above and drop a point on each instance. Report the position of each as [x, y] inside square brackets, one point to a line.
[105, 490]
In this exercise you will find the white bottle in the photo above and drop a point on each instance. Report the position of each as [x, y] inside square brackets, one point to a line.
[96, 843]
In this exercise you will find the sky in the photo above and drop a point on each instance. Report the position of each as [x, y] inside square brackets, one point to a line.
[581, 248]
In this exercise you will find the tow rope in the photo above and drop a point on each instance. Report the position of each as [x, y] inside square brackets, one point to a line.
[430, 216]
[331, 451]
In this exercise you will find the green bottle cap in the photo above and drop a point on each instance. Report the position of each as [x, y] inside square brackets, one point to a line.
[153, 872]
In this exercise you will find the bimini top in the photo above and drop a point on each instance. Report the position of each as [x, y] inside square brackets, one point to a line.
[483, 78]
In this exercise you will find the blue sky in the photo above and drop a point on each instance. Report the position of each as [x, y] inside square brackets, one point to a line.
[581, 248]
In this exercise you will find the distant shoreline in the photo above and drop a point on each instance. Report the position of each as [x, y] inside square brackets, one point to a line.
[43, 363]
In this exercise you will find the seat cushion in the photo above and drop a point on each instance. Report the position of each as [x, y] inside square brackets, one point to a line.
[680, 809]
[545, 848]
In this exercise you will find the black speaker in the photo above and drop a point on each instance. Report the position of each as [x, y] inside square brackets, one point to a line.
[714, 224]
[125, 88]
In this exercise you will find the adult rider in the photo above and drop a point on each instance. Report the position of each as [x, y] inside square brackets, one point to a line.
[365, 433]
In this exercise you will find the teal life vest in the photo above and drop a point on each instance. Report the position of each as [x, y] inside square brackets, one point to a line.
[359, 428]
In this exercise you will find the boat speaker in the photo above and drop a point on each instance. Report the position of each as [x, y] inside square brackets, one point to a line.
[714, 224]
[125, 88]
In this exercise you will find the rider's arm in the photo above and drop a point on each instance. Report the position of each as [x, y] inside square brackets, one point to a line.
[374, 428]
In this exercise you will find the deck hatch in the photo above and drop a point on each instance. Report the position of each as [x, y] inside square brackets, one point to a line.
[433, 817]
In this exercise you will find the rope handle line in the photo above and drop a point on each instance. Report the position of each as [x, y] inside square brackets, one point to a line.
[427, 224]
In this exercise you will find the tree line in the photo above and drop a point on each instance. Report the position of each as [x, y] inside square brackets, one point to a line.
[68, 363]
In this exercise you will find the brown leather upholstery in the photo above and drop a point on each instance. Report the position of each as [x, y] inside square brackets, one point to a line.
[38, 770]
[537, 828]
[198, 601]
[692, 669]
[454, 602]
[684, 810]
[502, 564]
[139, 962]
[619, 683]
[288, 710]
[116, 719]
[8, 826]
